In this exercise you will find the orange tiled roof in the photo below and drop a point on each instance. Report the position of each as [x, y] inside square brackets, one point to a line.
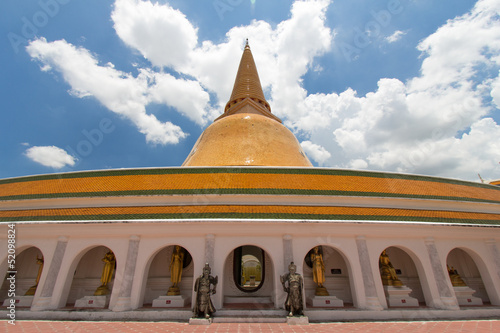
[304, 181]
[248, 211]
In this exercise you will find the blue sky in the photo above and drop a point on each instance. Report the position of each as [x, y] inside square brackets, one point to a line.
[407, 86]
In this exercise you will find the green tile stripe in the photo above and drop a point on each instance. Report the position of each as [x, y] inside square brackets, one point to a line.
[253, 191]
[274, 216]
[248, 170]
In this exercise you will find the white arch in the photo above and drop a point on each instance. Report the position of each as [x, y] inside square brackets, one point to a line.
[225, 246]
[4, 267]
[487, 277]
[147, 253]
[424, 275]
[348, 264]
[72, 258]
[146, 269]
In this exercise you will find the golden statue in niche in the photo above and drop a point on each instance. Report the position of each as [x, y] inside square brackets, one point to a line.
[456, 280]
[318, 268]
[176, 264]
[32, 289]
[387, 272]
[107, 273]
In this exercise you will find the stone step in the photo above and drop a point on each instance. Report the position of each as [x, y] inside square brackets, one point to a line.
[247, 319]
[247, 300]
[250, 316]
[251, 313]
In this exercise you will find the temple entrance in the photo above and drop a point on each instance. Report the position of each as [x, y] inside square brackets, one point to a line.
[93, 279]
[170, 274]
[248, 273]
[29, 266]
[400, 279]
[326, 278]
[466, 279]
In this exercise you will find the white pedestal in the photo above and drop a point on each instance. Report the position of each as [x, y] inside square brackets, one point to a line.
[178, 301]
[19, 301]
[325, 302]
[122, 304]
[42, 304]
[92, 302]
[399, 296]
[372, 304]
[302, 320]
[464, 296]
[200, 321]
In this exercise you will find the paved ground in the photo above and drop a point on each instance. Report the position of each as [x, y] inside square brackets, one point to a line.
[476, 326]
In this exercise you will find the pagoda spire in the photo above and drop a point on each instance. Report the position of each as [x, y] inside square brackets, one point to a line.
[247, 88]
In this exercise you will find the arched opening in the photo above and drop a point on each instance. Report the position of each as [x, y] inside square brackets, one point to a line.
[249, 271]
[402, 285]
[29, 265]
[333, 287]
[248, 274]
[93, 276]
[466, 279]
[170, 274]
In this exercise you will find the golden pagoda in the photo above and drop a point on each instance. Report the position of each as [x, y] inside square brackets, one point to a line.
[247, 133]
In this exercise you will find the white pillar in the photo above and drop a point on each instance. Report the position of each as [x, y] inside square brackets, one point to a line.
[371, 299]
[44, 302]
[492, 280]
[209, 249]
[446, 294]
[218, 298]
[287, 251]
[124, 296]
[492, 246]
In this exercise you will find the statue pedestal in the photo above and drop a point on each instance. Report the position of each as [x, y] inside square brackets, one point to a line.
[302, 320]
[19, 301]
[200, 321]
[464, 296]
[178, 301]
[399, 296]
[42, 304]
[95, 302]
[122, 304]
[325, 302]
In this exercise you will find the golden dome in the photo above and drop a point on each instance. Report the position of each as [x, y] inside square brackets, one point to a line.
[247, 133]
[247, 139]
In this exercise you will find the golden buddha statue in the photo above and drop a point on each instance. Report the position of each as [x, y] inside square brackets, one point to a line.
[387, 271]
[456, 280]
[176, 264]
[318, 268]
[107, 273]
[32, 289]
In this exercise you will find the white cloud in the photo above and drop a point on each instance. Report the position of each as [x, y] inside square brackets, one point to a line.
[282, 54]
[358, 164]
[120, 92]
[434, 123]
[50, 156]
[162, 34]
[165, 36]
[397, 35]
[316, 152]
